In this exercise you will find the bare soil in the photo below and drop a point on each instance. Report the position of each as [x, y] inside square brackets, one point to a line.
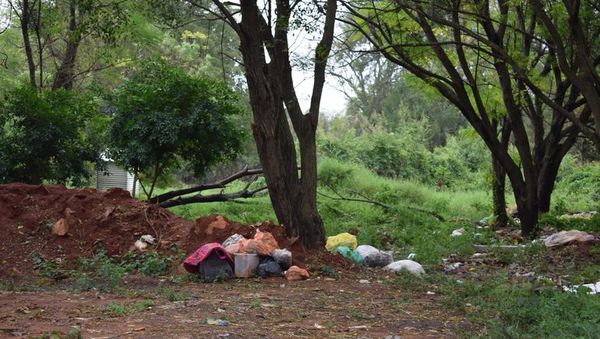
[272, 308]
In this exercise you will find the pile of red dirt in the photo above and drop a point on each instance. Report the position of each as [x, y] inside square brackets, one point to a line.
[112, 220]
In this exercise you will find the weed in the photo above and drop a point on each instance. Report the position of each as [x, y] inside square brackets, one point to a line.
[172, 295]
[100, 273]
[143, 305]
[150, 264]
[115, 310]
[255, 303]
[120, 310]
[328, 271]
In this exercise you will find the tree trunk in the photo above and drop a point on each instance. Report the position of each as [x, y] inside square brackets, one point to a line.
[546, 183]
[527, 205]
[66, 71]
[293, 200]
[498, 192]
[25, 22]
[274, 101]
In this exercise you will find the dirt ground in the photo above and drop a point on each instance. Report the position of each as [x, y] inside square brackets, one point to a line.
[272, 308]
[158, 308]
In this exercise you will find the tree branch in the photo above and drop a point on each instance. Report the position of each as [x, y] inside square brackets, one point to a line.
[160, 199]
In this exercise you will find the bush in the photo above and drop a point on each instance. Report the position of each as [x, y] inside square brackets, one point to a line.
[100, 273]
[150, 264]
[461, 163]
[577, 185]
[163, 117]
[529, 311]
[49, 136]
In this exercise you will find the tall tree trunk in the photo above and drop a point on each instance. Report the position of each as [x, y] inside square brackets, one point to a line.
[527, 205]
[498, 192]
[546, 181]
[25, 21]
[65, 73]
[273, 100]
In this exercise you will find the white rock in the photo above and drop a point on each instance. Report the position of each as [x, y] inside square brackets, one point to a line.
[411, 256]
[364, 281]
[452, 267]
[412, 267]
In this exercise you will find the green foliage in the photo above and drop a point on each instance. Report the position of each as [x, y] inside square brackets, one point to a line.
[566, 224]
[50, 136]
[529, 311]
[163, 117]
[115, 310]
[461, 163]
[150, 264]
[577, 185]
[100, 273]
[120, 310]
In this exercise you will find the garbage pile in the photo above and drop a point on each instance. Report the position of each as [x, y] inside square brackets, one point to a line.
[346, 245]
[240, 257]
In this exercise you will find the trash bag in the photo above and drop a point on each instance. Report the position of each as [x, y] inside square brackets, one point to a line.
[191, 263]
[374, 257]
[268, 267]
[296, 273]
[213, 268]
[234, 239]
[347, 253]
[283, 257]
[565, 237]
[412, 267]
[263, 243]
[342, 239]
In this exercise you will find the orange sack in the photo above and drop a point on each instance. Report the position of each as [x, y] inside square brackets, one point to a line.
[263, 243]
[296, 273]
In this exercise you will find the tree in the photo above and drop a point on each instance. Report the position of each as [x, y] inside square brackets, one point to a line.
[379, 92]
[264, 31]
[60, 28]
[47, 136]
[483, 57]
[163, 116]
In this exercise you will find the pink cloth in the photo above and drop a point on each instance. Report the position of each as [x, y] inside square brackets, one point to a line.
[191, 263]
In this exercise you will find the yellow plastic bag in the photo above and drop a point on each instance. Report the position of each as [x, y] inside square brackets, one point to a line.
[342, 239]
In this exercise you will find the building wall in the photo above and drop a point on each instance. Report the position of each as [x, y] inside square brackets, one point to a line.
[115, 176]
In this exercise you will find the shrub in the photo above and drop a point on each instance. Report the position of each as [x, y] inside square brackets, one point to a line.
[164, 116]
[48, 136]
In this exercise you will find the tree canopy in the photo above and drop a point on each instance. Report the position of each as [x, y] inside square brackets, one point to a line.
[163, 116]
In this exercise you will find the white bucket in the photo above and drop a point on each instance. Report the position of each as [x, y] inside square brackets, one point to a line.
[245, 264]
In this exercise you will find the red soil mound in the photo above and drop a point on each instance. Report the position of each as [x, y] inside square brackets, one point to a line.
[109, 219]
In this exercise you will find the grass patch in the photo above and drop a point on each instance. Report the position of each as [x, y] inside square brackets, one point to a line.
[120, 310]
[527, 310]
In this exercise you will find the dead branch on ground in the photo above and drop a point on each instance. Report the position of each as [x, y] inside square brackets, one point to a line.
[177, 197]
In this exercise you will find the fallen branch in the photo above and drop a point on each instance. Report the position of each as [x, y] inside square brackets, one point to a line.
[164, 198]
[386, 207]
[211, 198]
